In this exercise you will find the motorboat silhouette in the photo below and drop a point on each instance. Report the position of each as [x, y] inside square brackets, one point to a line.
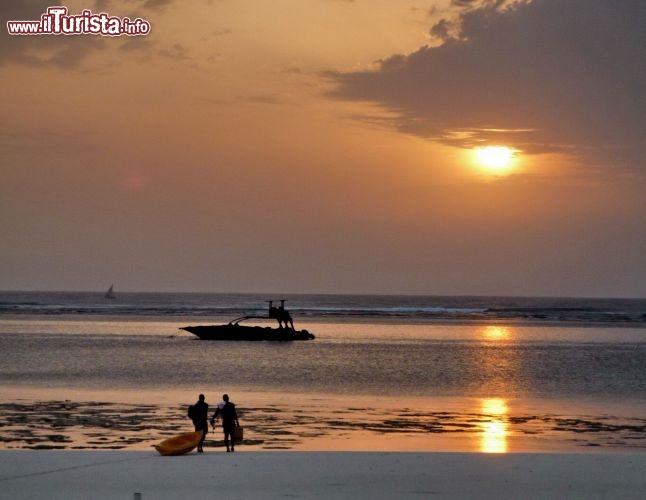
[235, 331]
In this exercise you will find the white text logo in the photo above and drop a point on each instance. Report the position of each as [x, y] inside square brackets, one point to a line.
[56, 21]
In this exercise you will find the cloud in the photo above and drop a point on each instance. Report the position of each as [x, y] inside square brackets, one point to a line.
[156, 4]
[136, 44]
[176, 52]
[292, 70]
[542, 75]
[104, 5]
[266, 98]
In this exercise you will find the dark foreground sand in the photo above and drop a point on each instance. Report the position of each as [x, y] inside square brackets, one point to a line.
[106, 475]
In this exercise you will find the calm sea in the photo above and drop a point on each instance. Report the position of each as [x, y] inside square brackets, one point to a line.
[365, 345]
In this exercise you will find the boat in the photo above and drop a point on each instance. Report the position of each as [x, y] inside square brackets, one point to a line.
[235, 331]
[179, 445]
[110, 293]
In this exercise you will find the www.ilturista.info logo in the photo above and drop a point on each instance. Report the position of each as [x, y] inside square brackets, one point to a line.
[56, 21]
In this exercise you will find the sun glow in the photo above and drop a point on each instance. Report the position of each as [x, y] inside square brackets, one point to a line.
[495, 159]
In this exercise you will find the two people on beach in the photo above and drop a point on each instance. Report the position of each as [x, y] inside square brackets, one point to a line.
[199, 412]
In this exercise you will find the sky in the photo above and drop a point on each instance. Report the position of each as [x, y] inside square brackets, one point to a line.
[328, 146]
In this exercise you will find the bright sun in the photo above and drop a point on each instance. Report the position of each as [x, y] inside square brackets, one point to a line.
[495, 159]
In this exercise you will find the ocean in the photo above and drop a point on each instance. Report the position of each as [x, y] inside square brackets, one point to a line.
[385, 372]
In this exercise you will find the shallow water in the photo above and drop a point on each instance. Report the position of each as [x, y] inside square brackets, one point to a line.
[345, 358]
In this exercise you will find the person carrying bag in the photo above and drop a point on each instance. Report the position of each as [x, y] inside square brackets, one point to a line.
[230, 424]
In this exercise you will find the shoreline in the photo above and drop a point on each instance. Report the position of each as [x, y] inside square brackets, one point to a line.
[249, 475]
[329, 423]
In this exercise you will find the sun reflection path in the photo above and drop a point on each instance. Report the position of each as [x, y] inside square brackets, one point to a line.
[495, 333]
[495, 430]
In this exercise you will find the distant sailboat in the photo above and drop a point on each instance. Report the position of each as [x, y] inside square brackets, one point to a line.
[110, 293]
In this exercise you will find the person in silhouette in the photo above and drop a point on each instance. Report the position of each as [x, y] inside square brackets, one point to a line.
[229, 421]
[199, 414]
[284, 316]
[273, 311]
[281, 315]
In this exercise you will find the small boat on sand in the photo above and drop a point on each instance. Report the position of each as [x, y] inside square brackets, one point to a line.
[235, 331]
[179, 445]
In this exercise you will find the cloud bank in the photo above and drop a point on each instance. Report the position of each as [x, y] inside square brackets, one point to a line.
[541, 75]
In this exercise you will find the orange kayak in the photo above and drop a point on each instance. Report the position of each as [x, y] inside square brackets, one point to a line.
[179, 445]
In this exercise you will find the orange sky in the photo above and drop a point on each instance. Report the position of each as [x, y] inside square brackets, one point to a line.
[327, 146]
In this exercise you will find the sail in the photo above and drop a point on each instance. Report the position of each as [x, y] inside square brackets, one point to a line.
[110, 293]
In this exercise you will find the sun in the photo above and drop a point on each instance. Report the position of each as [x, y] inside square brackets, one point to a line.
[495, 159]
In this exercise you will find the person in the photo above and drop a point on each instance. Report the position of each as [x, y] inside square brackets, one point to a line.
[284, 316]
[199, 414]
[281, 314]
[229, 421]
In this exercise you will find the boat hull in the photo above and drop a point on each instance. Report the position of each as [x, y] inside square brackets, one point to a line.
[253, 333]
[179, 445]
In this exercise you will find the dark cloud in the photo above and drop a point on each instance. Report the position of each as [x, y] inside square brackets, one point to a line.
[156, 4]
[136, 44]
[262, 99]
[222, 32]
[292, 70]
[177, 52]
[541, 75]
[478, 4]
[442, 29]
[464, 3]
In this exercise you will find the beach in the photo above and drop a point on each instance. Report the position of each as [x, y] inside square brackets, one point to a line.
[405, 238]
[397, 397]
[69, 475]
[323, 422]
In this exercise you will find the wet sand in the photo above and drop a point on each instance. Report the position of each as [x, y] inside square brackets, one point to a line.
[319, 425]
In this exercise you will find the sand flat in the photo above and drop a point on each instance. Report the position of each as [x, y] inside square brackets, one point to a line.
[99, 475]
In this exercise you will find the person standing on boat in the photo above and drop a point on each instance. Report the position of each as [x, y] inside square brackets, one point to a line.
[199, 414]
[281, 314]
[284, 316]
[229, 421]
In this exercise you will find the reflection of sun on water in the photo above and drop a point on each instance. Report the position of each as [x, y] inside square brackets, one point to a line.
[495, 431]
[496, 333]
